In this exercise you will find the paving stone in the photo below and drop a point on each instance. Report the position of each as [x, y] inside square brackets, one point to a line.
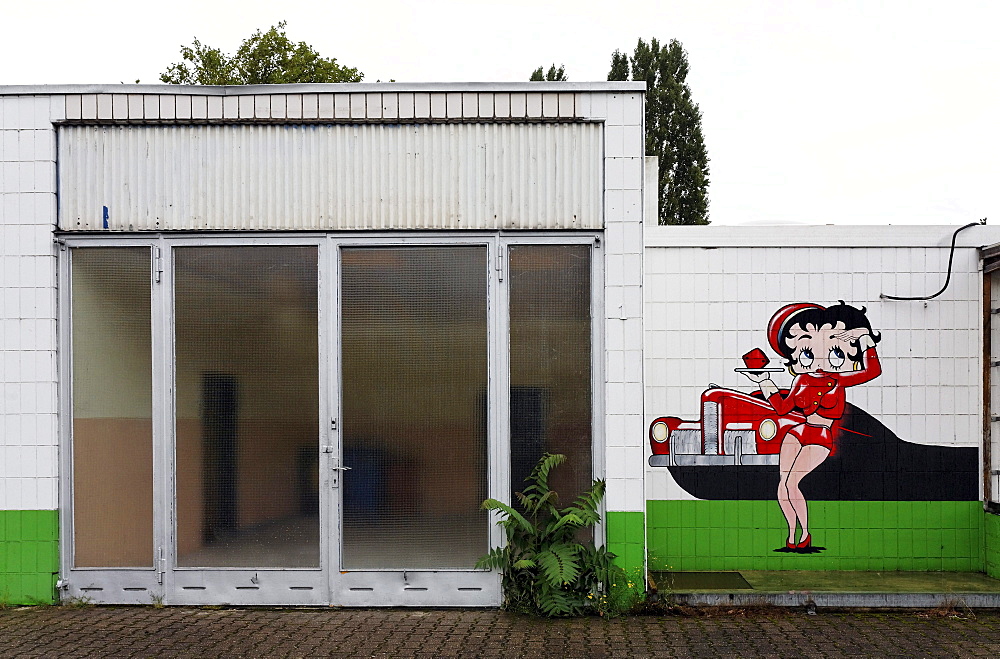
[182, 632]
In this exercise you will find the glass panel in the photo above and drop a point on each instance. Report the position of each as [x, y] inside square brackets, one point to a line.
[414, 359]
[550, 363]
[112, 408]
[247, 434]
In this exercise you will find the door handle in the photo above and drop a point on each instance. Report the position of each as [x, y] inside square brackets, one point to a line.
[335, 470]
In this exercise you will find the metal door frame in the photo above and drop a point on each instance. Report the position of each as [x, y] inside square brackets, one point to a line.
[456, 587]
[119, 585]
[273, 586]
[164, 582]
[424, 587]
[597, 356]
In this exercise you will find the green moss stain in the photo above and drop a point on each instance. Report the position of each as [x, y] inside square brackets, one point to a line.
[858, 535]
[626, 537]
[29, 556]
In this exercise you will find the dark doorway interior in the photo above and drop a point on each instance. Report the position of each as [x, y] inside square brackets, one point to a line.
[220, 407]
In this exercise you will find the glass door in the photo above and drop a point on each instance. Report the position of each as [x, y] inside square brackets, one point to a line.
[551, 374]
[414, 430]
[246, 527]
[296, 420]
[110, 539]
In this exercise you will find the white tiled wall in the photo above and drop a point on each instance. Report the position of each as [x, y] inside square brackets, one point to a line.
[995, 387]
[707, 307]
[28, 464]
[28, 439]
[623, 206]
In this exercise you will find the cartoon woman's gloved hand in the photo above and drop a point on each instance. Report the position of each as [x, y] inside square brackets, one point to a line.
[866, 341]
[760, 376]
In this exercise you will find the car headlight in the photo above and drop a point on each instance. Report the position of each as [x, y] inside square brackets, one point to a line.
[767, 429]
[660, 432]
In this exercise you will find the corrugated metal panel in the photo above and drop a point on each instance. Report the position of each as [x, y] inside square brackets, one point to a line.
[261, 177]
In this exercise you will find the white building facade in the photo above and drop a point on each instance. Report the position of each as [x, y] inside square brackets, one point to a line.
[276, 345]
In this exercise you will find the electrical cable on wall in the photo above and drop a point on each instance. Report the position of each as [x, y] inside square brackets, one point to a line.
[951, 258]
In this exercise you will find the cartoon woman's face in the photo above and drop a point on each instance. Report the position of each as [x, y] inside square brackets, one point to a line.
[823, 348]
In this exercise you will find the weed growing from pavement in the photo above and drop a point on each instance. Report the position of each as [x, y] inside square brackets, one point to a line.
[659, 605]
[949, 609]
[624, 594]
[546, 570]
[79, 602]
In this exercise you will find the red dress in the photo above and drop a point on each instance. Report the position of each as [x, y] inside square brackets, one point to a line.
[824, 394]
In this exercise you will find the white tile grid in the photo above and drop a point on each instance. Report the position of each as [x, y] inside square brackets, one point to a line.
[930, 388]
[402, 105]
[150, 107]
[660, 485]
[470, 106]
[625, 466]
[168, 106]
[119, 106]
[135, 106]
[261, 106]
[453, 104]
[57, 108]
[282, 104]
[245, 107]
[616, 430]
[390, 106]
[305, 106]
[995, 382]
[28, 436]
[407, 104]
[437, 106]
[28, 415]
[203, 107]
[71, 106]
[359, 107]
[293, 106]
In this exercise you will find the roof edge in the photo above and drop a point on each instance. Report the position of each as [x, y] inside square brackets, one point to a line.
[325, 88]
[825, 235]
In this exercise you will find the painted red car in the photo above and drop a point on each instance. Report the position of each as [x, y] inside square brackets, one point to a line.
[735, 429]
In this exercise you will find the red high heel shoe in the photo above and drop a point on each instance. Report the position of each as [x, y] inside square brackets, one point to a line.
[789, 545]
[805, 543]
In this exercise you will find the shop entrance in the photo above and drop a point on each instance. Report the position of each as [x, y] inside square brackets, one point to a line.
[309, 420]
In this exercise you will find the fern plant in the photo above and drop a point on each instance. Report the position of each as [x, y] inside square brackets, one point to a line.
[546, 569]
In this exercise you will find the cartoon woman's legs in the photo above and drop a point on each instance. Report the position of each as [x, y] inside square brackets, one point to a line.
[795, 461]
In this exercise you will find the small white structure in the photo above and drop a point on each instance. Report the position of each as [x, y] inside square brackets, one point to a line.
[260, 288]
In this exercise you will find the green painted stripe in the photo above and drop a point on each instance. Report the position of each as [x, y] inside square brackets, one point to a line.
[858, 535]
[29, 556]
[626, 537]
[992, 523]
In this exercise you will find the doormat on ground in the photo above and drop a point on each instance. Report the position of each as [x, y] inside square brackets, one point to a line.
[694, 581]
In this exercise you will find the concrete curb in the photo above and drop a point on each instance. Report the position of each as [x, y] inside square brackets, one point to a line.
[840, 600]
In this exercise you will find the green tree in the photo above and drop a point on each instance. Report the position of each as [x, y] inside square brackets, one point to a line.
[265, 58]
[619, 66]
[673, 128]
[553, 74]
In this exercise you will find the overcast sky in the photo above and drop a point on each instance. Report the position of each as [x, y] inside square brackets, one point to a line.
[814, 112]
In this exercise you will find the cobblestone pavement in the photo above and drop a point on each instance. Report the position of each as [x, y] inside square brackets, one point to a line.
[187, 632]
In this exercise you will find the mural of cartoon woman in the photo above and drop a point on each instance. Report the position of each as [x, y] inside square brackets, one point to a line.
[826, 349]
